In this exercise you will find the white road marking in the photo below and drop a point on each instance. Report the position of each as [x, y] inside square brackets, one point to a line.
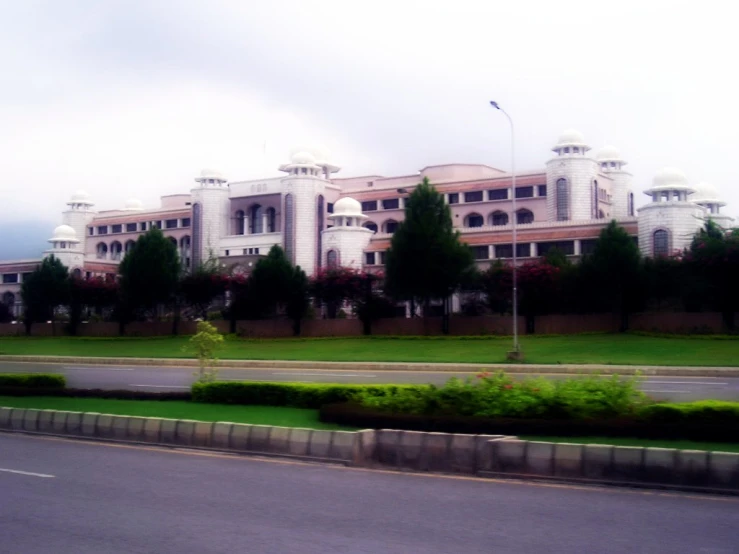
[163, 386]
[100, 368]
[685, 383]
[327, 374]
[668, 391]
[27, 473]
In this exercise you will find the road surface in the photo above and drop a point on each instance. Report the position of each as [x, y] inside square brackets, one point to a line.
[66, 497]
[150, 378]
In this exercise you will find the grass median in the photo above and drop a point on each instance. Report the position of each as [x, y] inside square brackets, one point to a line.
[173, 409]
[679, 444]
[607, 349]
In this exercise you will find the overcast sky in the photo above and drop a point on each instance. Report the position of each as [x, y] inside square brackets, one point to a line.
[133, 98]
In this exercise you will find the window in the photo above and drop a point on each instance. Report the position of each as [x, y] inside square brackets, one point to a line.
[542, 190]
[101, 251]
[369, 258]
[117, 229]
[563, 200]
[391, 204]
[10, 278]
[369, 206]
[102, 229]
[473, 196]
[185, 222]
[90, 231]
[524, 192]
[157, 224]
[383, 258]
[371, 226]
[238, 226]
[256, 225]
[289, 227]
[130, 227]
[116, 250]
[499, 218]
[567, 247]
[454, 198]
[661, 246]
[631, 203]
[481, 252]
[474, 220]
[587, 246]
[524, 217]
[390, 226]
[171, 224]
[498, 194]
[330, 207]
[332, 259]
[142, 226]
[129, 245]
[503, 250]
[523, 250]
[272, 218]
[567, 150]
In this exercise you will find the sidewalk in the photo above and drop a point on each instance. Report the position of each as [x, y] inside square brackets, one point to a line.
[593, 369]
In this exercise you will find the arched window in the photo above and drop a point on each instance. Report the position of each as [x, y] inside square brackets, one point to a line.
[660, 243]
[288, 224]
[371, 226]
[631, 203]
[474, 220]
[255, 220]
[595, 199]
[129, 246]
[185, 244]
[498, 218]
[238, 226]
[102, 251]
[271, 218]
[332, 259]
[116, 250]
[562, 200]
[390, 226]
[524, 216]
[173, 241]
[9, 299]
[601, 215]
[77, 273]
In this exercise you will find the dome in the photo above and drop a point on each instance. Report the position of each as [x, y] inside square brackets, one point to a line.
[347, 207]
[80, 197]
[211, 174]
[133, 204]
[670, 178]
[570, 136]
[706, 193]
[64, 233]
[303, 158]
[608, 153]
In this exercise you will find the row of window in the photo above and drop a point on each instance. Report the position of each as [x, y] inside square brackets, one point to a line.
[245, 251]
[139, 226]
[11, 278]
[497, 218]
[116, 250]
[453, 197]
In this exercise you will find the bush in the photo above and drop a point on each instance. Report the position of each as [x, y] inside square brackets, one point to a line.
[295, 395]
[95, 393]
[33, 380]
[703, 411]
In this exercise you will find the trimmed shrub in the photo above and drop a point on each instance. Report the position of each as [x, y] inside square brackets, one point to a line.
[294, 395]
[33, 380]
[95, 393]
[702, 411]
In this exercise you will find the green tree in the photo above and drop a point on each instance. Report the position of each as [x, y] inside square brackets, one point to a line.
[426, 260]
[615, 271]
[270, 283]
[296, 298]
[43, 291]
[149, 273]
[205, 345]
[199, 288]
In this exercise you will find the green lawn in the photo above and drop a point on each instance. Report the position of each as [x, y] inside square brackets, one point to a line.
[680, 444]
[572, 349]
[257, 415]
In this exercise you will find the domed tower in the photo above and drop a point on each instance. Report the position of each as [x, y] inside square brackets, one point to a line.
[611, 163]
[571, 180]
[133, 205]
[668, 223]
[78, 216]
[210, 203]
[303, 206]
[345, 242]
[707, 196]
[65, 246]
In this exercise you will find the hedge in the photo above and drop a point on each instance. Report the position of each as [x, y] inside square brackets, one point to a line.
[651, 424]
[95, 393]
[293, 395]
[33, 380]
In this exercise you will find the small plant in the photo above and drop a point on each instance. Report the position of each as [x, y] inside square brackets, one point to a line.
[205, 344]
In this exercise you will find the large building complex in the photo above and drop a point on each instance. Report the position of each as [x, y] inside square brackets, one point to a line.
[321, 220]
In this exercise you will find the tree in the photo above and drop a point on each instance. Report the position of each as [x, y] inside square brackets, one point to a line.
[270, 283]
[96, 294]
[43, 291]
[149, 273]
[615, 271]
[426, 259]
[496, 283]
[537, 289]
[205, 345]
[202, 286]
[296, 298]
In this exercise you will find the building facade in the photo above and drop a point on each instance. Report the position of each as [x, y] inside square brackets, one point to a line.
[322, 220]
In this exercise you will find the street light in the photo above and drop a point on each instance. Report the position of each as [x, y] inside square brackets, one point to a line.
[516, 354]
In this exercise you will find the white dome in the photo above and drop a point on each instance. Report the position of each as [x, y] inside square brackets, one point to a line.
[303, 158]
[706, 193]
[211, 174]
[670, 178]
[608, 153]
[347, 207]
[570, 136]
[80, 197]
[133, 204]
[65, 233]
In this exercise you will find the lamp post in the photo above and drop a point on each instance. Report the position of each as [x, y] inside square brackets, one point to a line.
[516, 353]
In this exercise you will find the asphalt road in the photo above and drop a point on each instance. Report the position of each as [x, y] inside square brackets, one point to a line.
[179, 379]
[61, 496]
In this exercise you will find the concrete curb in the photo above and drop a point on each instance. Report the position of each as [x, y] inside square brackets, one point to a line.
[481, 455]
[553, 369]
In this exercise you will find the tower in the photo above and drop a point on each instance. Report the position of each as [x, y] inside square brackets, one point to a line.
[707, 196]
[65, 246]
[622, 198]
[345, 242]
[571, 180]
[78, 216]
[210, 203]
[303, 207]
[668, 223]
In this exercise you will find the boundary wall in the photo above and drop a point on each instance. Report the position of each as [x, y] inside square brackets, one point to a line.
[481, 455]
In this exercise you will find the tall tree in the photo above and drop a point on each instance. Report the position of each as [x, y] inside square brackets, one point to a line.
[44, 290]
[270, 282]
[204, 284]
[426, 260]
[615, 266]
[149, 273]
